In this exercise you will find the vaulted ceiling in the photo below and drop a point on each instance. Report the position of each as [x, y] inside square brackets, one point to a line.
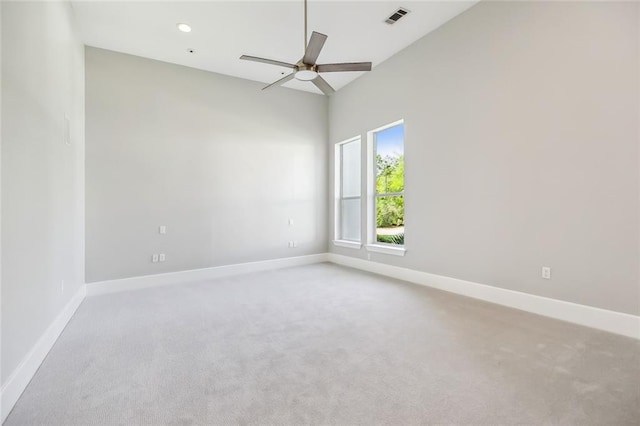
[222, 31]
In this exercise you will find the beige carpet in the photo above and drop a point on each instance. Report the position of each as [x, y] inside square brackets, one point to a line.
[323, 344]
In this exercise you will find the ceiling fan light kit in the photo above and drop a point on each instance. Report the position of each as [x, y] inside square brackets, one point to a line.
[307, 69]
[306, 74]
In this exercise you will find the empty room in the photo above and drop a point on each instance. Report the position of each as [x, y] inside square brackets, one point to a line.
[317, 212]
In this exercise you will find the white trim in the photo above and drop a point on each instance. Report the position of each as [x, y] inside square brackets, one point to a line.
[589, 316]
[179, 277]
[379, 248]
[347, 244]
[22, 375]
[370, 214]
[387, 126]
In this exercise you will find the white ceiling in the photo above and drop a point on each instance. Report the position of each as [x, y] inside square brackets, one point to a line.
[224, 30]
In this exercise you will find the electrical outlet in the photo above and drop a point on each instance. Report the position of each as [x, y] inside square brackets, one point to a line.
[295, 244]
[546, 272]
[290, 222]
[290, 244]
[162, 229]
[162, 257]
[154, 258]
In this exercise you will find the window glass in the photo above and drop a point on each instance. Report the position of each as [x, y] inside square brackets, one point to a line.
[351, 169]
[350, 214]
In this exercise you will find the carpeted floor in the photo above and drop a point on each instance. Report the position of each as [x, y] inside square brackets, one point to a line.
[324, 344]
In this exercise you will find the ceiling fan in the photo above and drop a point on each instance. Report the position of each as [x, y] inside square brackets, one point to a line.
[306, 69]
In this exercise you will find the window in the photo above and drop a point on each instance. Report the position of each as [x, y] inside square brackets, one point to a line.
[386, 193]
[348, 198]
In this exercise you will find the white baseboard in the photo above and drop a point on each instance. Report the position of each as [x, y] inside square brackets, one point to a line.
[602, 319]
[22, 375]
[145, 281]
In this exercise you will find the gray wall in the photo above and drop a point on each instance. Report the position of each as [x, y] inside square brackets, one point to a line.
[42, 176]
[521, 148]
[221, 163]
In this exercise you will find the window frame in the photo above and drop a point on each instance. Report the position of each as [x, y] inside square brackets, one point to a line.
[372, 243]
[339, 198]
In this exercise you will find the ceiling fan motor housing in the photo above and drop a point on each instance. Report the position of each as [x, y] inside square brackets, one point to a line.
[307, 67]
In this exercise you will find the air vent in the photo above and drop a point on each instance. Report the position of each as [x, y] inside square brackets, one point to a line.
[395, 17]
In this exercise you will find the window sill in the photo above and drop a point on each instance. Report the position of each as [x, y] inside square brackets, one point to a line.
[347, 244]
[379, 248]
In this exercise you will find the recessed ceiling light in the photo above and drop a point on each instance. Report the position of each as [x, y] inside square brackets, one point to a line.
[185, 28]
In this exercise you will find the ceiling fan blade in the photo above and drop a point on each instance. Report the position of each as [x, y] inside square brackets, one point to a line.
[281, 81]
[313, 48]
[322, 84]
[267, 61]
[347, 66]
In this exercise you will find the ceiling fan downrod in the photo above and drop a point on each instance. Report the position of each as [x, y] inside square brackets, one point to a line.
[305, 26]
